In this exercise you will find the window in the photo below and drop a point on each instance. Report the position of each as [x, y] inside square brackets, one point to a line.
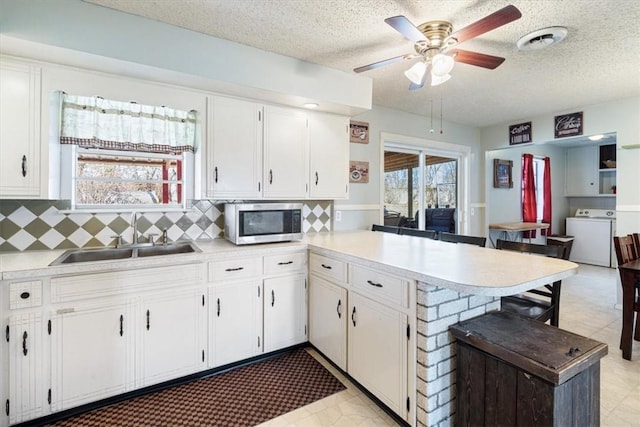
[538, 179]
[125, 154]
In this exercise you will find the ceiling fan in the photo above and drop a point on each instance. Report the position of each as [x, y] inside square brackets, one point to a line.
[434, 42]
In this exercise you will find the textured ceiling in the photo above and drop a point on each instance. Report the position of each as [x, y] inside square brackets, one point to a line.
[597, 62]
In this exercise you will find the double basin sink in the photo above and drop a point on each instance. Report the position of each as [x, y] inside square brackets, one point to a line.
[73, 256]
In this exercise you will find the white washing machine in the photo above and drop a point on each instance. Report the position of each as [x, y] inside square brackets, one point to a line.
[593, 231]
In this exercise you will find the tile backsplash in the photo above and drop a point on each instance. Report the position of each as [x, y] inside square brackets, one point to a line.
[40, 224]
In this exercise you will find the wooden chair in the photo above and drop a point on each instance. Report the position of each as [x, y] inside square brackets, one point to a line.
[626, 251]
[429, 234]
[385, 228]
[461, 238]
[543, 309]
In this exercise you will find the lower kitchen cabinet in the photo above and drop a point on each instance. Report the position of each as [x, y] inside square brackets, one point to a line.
[173, 338]
[92, 353]
[377, 356]
[26, 354]
[235, 321]
[284, 311]
[328, 319]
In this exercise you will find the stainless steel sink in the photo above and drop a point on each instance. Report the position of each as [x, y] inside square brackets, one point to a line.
[73, 256]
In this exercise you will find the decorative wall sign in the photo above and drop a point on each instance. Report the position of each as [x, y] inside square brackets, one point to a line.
[520, 133]
[502, 173]
[359, 132]
[358, 171]
[568, 125]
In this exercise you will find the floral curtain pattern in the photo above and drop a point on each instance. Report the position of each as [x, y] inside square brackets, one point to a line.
[95, 122]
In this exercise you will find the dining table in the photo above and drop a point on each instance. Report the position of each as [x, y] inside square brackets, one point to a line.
[506, 228]
[630, 277]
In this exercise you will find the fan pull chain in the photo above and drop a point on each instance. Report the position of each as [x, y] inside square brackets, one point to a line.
[431, 130]
[441, 131]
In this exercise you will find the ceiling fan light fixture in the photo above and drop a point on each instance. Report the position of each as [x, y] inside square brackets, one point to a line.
[416, 72]
[441, 65]
[438, 80]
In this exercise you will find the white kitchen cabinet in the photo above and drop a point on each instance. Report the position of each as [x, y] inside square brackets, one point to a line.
[581, 171]
[92, 353]
[286, 141]
[284, 311]
[377, 352]
[20, 165]
[328, 156]
[328, 314]
[235, 321]
[173, 339]
[234, 167]
[26, 355]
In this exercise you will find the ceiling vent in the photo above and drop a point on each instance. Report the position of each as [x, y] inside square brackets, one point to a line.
[542, 38]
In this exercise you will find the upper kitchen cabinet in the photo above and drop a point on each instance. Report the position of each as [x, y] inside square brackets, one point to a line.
[20, 130]
[286, 140]
[235, 155]
[589, 173]
[328, 156]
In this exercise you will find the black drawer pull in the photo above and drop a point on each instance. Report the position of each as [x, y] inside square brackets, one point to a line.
[285, 263]
[218, 311]
[24, 166]
[377, 285]
[24, 343]
[216, 175]
[353, 316]
[148, 320]
[234, 269]
[25, 295]
[121, 324]
[339, 309]
[273, 298]
[328, 267]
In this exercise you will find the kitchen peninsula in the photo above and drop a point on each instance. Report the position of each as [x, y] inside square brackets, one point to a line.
[398, 295]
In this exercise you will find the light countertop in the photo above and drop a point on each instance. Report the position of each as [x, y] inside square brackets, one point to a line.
[460, 267]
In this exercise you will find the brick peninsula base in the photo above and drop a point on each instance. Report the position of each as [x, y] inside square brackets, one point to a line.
[437, 309]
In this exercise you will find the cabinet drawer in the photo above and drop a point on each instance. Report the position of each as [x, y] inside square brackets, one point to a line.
[379, 286]
[285, 263]
[233, 269]
[328, 267]
[25, 294]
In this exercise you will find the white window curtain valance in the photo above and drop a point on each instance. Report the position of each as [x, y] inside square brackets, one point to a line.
[94, 122]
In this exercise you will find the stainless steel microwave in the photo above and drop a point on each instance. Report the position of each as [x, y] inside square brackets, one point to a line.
[247, 223]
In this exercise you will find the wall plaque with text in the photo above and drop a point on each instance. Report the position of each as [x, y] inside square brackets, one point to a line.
[520, 134]
[568, 125]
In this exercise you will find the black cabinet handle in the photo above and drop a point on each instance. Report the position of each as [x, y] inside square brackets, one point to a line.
[285, 263]
[6, 333]
[273, 298]
[353, 316]
[328, 267]
[25, 295]
[121, 324]
[234, 269]
[339, 309]
[215, 174]
[316, 178]
[24, 166]
[377, 285]
[218, 307]
[270, 176]
[148, 320]
[24, 343]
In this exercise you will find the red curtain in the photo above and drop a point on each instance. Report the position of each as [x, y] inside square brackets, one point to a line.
[546, 207]
[529, 211]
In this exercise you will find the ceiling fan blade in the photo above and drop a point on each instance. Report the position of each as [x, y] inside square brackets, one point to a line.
[385, 62]
[490, 22]
[478, 59]
[426, 78]
[402, 25]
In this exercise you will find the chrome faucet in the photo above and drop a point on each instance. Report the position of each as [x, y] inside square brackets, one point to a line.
[134, 224]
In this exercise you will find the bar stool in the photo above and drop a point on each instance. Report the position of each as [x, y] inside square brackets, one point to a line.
[627, 251]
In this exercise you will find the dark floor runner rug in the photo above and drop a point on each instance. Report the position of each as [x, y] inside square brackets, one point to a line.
[246, 396]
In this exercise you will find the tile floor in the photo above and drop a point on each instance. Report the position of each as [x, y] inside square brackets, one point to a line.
[587, 308]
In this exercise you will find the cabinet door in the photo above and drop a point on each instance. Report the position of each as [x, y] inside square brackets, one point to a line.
[92, 354]
[20, 130]
[581, 171]
[285, 153]
[284, 311]
[377, 356]
[236, 322]
[173, 336]
[26, 388]
[235, 149]
[328, 314]
[328, 156]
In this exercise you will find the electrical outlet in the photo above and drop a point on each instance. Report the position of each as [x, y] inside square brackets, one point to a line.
[473, 211]
[338, 216]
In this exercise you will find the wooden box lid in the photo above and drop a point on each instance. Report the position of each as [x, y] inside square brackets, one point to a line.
[552, 354]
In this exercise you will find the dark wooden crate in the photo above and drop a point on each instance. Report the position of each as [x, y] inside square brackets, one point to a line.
[514, 371]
